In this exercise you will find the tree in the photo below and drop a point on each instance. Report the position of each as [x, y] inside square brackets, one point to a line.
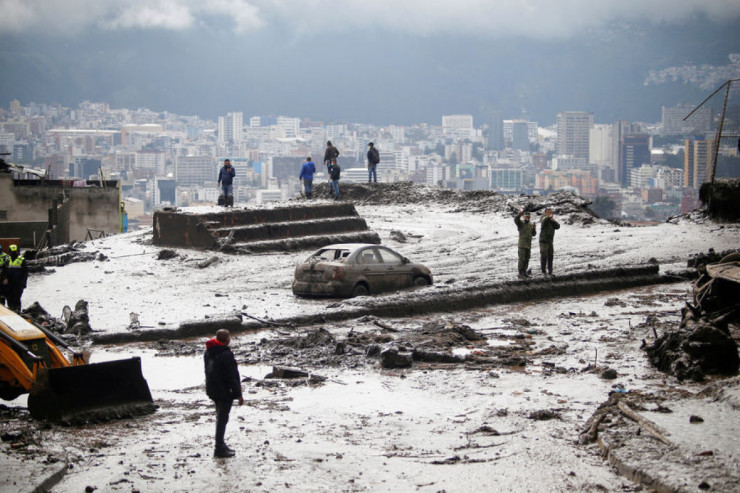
[604, 207]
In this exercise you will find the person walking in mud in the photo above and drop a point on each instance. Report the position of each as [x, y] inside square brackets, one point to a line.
[373, 158]
[223, 385]
[307, 171]
[527, 231]
[548, 225]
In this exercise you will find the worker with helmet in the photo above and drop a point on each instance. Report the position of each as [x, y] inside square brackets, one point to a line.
[14, 277]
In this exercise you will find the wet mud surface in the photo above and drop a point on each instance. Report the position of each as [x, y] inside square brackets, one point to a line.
[496, 398]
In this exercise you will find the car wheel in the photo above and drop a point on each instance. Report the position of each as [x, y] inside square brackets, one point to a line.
[420, 281]
[360, 290]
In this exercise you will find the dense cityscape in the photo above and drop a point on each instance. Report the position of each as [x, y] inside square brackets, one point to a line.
[631, 170]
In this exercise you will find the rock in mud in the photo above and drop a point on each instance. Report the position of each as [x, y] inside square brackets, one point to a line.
[166, 253]
[436, 357]
[609, 374]
[79, 320]
[287, 372]
[544, 415]
[393, 358]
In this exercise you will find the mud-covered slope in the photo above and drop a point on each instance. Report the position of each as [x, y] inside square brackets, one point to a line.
[562, 203]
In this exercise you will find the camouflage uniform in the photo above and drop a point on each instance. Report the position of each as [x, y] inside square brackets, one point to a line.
[548, 225]
[527, 230]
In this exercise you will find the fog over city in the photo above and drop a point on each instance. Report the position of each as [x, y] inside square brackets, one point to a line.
[378, 62]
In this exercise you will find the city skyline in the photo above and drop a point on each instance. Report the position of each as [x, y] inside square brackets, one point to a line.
[380, 62]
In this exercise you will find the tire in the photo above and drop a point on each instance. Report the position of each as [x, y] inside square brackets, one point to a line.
[420, 281]
[360, 290]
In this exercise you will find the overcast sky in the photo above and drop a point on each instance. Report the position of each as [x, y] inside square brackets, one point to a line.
[381, 61]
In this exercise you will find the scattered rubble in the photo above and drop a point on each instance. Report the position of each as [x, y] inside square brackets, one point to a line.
[75, 322]
[703, 344]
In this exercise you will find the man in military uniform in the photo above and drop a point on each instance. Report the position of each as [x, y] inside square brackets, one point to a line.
[527, 231]
[548, 225]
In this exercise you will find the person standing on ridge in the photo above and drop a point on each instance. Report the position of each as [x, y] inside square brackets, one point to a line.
[14, 278]
[223, 385]
[334, 172]
[226, 182]
[548, 225]
[373, 158]
[331, 153]
[307, 171]
[527, 231]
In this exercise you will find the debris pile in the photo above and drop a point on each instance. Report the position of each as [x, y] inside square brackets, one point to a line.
[437, 344]
[62, 255]
[703, 343]
[566, 204]
[75, 321]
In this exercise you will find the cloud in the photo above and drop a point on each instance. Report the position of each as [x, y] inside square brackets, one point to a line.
[540, 19]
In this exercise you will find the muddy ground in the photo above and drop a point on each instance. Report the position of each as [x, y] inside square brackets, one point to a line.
[494, 398]
[503, 411]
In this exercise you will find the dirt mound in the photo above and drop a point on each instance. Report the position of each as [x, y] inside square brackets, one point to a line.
[562, 203]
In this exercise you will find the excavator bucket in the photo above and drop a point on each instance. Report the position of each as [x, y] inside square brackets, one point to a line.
[90, 393]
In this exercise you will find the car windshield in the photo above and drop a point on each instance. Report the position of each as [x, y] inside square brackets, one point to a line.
[329, 255]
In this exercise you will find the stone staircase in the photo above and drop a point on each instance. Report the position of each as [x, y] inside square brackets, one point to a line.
[257, 229]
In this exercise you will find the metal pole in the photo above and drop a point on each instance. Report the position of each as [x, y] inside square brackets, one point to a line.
[716, 146]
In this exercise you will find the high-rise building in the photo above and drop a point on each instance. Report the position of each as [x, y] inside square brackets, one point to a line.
[674, 123]
[600, 145]
[573, 133]
[194, 170]
[230, 128]
[620, 128]
[291, 126]
[635, 152]
[495, 131]
[698, 159]
[520, 135]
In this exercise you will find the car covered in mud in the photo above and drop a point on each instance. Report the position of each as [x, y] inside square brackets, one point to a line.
[357, 269]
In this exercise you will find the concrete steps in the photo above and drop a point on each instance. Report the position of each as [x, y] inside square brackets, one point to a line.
[274, 227]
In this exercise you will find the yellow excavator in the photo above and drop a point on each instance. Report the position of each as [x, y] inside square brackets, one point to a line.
[66, 391]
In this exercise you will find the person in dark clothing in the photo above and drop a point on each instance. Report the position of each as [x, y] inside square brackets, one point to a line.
[226, 182]
[334, 172]
[548, 225]
[527, 231]
[14, 278]
[223, 385]
[307, 171]
[4, 260]
[373, 158]
[331, 154]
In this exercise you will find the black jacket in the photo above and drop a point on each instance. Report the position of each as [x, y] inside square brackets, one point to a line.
[334, 172]
[331, 153]
[222, 375]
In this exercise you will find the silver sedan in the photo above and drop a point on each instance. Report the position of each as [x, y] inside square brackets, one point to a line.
[357, 269]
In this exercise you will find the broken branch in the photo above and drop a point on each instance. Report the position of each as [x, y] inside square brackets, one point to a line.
[646, 424]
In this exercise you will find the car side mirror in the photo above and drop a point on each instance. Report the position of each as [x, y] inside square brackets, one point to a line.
[406, 261]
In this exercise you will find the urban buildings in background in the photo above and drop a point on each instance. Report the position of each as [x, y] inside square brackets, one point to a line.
[630, 169]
